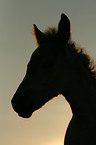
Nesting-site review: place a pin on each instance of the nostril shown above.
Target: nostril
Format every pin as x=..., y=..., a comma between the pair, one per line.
x=15, y=105
x=16, y=102
x=21, y=105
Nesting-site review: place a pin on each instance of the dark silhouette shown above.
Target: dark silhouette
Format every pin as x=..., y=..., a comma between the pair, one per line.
x=57, y=66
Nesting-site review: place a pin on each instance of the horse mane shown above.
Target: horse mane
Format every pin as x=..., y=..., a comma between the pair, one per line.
x=51, y=34
x=86, y=60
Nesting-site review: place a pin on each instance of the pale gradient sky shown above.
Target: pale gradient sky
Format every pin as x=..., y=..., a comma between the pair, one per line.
x=47, y=126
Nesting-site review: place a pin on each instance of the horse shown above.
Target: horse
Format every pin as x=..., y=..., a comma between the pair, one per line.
x=59, y=66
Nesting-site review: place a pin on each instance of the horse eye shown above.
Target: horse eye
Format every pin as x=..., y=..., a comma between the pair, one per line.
x=48, y=64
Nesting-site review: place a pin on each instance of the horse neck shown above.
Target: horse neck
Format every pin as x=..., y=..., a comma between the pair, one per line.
x=82, y=99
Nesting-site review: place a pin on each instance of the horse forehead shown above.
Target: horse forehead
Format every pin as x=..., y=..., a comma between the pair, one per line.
x=44, y=51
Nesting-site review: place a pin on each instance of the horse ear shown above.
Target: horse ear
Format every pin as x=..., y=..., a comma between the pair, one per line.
x=37, y=34
x=64, y=28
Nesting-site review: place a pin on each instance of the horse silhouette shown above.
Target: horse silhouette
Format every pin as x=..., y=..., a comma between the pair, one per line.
x=56, y=67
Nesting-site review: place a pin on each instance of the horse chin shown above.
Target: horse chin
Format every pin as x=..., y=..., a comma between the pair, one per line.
x=25, y=115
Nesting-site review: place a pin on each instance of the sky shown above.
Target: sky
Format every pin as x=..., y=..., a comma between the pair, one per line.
x=47, y=126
